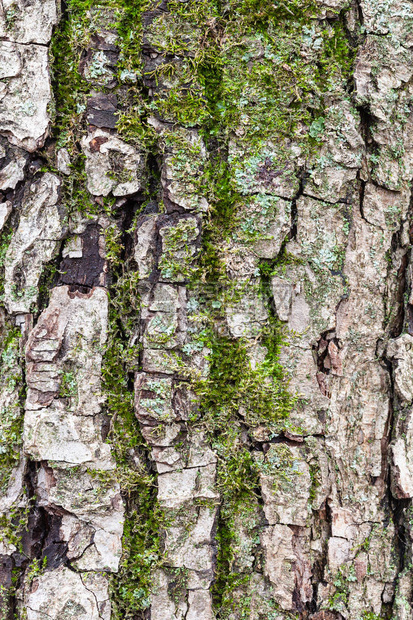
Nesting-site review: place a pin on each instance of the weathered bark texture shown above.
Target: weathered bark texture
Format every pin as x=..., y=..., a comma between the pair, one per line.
x=206, y=309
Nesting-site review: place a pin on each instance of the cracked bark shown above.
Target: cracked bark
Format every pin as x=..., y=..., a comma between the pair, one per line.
x=181, y=236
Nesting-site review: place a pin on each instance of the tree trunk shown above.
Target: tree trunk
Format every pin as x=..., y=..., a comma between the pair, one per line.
x=206, y=310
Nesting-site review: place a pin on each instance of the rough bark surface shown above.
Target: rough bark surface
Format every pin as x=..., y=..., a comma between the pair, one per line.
x=206, y=309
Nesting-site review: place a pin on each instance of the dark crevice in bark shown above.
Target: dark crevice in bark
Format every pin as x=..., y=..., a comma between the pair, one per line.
x=396, y=506
x=88, y=271
x=294, y=210
x=41, y=539
x=48, y=280
x=362, y=189
x=323, y=522
x=398, y=308
x=408, y=315
x=327, y=358
x=367, y=120
x=399, y=507
x=397, y=322
x=326, y=352
x=359, y=9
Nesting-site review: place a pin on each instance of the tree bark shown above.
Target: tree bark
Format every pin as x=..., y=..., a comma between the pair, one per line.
x=206, y=310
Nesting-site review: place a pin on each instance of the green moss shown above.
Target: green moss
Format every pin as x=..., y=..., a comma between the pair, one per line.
x=234, y=389
x=70, y=88
x=113, y=243
x=232, y=398
x=35, y=569
x=237, y=481
x=13, y=524
x=14, y=521
x=68, y=385
x=258, y=13
x=11, y=16
x=233, y=71
x=11, y=413
x=178, y=250
x=338, y=601
x=131, y=586
x=177, y=583
x=289, y=48
x=223, y=198
x=5, y=238
x=46, y=283
x=315, y=474
x=186, y=35
x=134, y=110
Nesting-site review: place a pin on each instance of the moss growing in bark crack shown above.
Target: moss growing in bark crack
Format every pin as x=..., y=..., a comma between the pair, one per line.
x=234, y=390
x=229, y=61
x=5, y=238
x=46, y=282
x=238, y=483
x=131, y=586
x=233, y=398
x=69, y=87
x=70, y=91
x=223, y=199
x=11, y=410
x=14, y=521
x=233, y=57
